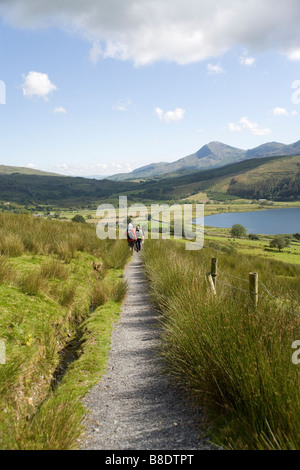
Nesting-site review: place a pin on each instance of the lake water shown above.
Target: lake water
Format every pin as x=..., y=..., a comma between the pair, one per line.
x=269, y=222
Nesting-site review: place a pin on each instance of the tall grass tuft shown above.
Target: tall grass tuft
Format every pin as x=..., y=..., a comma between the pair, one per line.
x=235, y=359
x=7, y=273
x=99, y=295
x=32, y=283
x=118, y=290
x=54, y=269
x=11, y=244
x=67, y=295
x=115, y=254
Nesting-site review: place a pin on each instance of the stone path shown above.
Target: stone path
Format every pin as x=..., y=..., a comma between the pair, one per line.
x=135, y=406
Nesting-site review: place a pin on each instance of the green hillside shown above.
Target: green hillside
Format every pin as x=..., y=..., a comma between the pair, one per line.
x=9, y=170
x=271, y=178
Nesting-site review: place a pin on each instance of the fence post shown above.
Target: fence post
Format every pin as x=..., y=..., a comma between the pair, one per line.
x=214, y=268
x=211, y=283
x=253, y=288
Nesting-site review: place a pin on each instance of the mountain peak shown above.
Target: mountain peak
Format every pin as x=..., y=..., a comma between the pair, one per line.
x=213, y=155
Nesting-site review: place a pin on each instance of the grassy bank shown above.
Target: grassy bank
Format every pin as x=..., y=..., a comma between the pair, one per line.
x=236, y=360
x=56, y=316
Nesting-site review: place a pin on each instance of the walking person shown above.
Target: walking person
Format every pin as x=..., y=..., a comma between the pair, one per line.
x=139, y=238
x=131, y=236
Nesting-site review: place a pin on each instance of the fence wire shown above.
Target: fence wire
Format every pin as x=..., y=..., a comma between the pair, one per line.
x=297, y=314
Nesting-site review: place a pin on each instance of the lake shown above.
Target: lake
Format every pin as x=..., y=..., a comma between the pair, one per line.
x=268, y=222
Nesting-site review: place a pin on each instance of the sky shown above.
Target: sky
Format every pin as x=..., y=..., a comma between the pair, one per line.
x=99, y=87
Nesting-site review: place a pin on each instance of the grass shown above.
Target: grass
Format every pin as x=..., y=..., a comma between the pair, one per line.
x=46, y=303
x=234, y=359
x=222, y=238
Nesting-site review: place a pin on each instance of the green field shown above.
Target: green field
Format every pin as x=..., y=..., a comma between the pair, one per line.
x=56, y=317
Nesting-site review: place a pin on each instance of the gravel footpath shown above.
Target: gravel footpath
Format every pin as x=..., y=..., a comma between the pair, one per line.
x=135, y=406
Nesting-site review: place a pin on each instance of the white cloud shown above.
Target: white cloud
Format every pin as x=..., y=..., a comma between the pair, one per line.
x=234, y=127
x=214, y=69
x=123, y=104
x=146, y=31
x=247, y=61
x=37, y=84
x=60, y=110
x=254, y=127
x=95, y=52
x=279, y=112
x=31, y=165
x=294, y=54
x=294, y=113
x=246, y=124
x=170, y=116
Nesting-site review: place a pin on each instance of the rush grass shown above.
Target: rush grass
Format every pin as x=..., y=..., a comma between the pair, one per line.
x=45, y=302
x=235, y=360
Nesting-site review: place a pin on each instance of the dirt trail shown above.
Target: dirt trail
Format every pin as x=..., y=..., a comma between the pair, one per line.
x=134, y=406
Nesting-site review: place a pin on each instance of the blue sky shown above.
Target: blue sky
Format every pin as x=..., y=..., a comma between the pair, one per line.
x=97, y=88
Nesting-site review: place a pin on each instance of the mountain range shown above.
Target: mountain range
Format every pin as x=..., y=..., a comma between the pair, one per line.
x=212, y=155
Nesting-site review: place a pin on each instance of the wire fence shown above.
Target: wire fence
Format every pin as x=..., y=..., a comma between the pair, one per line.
x=270, y=298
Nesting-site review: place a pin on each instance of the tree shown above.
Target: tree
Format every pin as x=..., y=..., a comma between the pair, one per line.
x=253, y=236
x=297, y=236
x=238, y=231
x=78, y=218
x=278, y=242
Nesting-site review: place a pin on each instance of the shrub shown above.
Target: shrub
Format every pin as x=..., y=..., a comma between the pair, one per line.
x=238, y=231
x=278, y=242
x=253, y=236
x=79, y=219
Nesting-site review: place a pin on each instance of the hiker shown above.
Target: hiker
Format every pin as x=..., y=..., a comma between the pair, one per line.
x=131, y=236
x=139, y=238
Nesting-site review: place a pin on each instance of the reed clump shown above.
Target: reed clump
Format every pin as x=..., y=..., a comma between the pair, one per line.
x=234, y=358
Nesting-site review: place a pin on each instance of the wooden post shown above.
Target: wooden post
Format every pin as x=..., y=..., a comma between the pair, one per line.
x=253, y=288
x=214, y=265
x=211, y=283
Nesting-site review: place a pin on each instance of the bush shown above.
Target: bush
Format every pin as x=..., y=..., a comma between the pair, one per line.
x=238, y=231
x=79, y=219
x=253, y=236
x=279, y=242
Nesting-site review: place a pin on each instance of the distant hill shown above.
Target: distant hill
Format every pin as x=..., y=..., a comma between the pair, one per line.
x=9, y=170
x=272, y=178
x=276, y=178
x=212, y=155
